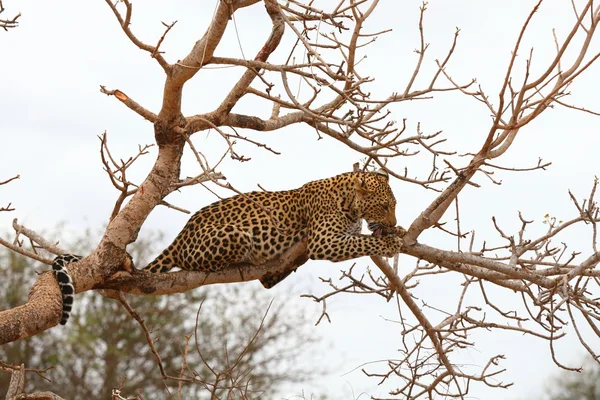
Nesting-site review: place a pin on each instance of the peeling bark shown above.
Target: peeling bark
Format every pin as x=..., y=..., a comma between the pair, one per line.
x=42, y=311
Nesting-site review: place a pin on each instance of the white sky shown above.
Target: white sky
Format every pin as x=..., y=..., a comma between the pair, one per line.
x=52, y=111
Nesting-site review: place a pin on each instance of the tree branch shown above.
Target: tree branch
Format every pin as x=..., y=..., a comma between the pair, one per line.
x=143, y=283
x=132, y=105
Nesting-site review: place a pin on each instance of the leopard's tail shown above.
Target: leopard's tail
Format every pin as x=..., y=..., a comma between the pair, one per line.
x=59, y=267
x=163, y=263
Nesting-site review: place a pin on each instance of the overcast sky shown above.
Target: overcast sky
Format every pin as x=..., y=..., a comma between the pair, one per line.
x=51, y=111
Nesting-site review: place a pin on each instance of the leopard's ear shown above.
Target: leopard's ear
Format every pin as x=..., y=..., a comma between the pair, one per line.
x=384, y=173
x=360, y=184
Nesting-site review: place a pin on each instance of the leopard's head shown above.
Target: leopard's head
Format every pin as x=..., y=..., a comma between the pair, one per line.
x=375, y=201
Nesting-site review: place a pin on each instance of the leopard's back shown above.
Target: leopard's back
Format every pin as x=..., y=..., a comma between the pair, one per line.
x=249, y=228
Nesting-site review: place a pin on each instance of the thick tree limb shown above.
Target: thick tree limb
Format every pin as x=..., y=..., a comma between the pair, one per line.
x=44, y=307
x=42, y=311
x=437, y=256
x=200, y=54
x=143, y=283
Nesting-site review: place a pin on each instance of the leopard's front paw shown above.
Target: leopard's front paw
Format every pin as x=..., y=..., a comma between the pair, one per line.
x=398, y=231
x=394, y=246
x=390, y=231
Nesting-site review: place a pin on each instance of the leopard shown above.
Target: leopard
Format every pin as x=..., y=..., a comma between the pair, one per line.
x=256, y=227
x=65, y=283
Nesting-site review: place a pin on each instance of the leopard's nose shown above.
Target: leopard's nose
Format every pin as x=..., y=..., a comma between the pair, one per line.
x=391, y=220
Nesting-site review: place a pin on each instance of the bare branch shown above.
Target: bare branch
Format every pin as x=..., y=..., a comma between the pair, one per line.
x=132, y=105
x=8, y=23
x=126, y=21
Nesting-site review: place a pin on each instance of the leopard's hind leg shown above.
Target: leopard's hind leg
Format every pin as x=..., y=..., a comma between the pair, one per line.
x=209, y=248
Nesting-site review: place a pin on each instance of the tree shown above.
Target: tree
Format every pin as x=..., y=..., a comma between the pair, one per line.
x=321, y=52
x=576, y=386
x=101, y=340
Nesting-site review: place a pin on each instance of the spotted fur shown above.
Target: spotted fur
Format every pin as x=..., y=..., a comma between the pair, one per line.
x=256, y=227
x=59, y=267
x=259, y=226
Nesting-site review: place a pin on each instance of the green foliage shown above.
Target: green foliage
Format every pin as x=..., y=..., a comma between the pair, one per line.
x=584, y=385
x=102, y=348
